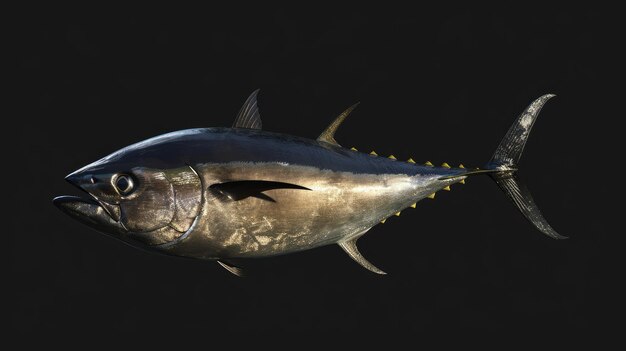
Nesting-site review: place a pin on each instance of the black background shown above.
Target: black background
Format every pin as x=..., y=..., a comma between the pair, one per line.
x=438, y=84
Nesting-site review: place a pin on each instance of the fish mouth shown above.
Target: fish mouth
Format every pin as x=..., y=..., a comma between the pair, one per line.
x=89, y=212
x=100, y=215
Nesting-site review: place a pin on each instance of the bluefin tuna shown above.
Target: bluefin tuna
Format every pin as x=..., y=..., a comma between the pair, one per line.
x=241, y=192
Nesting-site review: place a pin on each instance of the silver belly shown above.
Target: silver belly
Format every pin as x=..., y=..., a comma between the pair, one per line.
x=339, y=205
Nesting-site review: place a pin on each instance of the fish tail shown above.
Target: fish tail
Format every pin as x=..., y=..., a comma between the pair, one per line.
x=503, y=167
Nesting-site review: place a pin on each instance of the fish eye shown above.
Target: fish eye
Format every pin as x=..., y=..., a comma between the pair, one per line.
x=123, y=183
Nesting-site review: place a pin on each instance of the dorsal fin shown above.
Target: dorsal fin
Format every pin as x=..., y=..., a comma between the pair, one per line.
x=249, y=116
x=349, y=246
x=328, y=135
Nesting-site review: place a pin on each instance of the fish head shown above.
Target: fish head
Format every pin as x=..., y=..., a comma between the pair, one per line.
x=134, y=200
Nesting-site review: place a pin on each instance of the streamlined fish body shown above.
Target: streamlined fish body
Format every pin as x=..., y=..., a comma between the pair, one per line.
x=227, y=193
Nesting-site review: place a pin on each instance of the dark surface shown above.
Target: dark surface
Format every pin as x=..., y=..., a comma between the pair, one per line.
x=437, y=84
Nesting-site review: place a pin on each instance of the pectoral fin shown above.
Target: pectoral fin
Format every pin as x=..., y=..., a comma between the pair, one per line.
x=241, y=189
x=350, y=248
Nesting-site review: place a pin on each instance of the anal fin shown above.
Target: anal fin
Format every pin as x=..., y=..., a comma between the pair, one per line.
x=350, y=248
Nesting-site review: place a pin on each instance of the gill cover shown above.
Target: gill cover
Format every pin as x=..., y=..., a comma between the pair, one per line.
x=164, y=205
x=146, y=205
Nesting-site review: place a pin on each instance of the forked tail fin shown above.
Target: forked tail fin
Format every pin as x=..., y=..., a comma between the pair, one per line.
x=504, y=162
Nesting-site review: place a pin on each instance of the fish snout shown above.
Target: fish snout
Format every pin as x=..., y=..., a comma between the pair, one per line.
x=80, y=179
x=73, y=178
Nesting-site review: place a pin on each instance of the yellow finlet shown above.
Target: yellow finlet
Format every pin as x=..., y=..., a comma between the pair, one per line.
x=397, y=214
x=353, y=149
x=462, y=181
x=445, y=164
x=428, y=163
x=414, y=205
x=373, y=153
x=446, y=188
x=392, y=157
x=431, y=196
x=383, y=221
x=461, y=165
x=410, y=160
